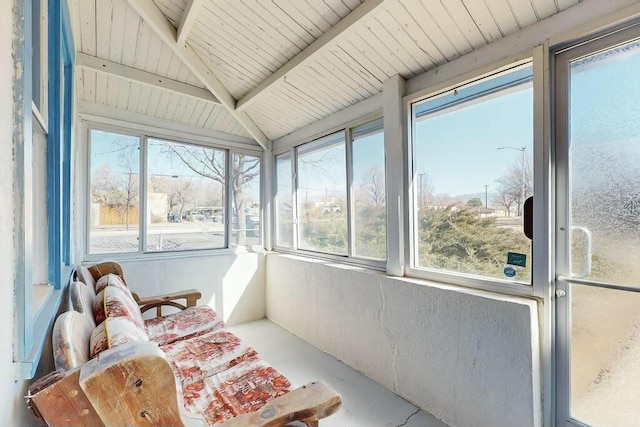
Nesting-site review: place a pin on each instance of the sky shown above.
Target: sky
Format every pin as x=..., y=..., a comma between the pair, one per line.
x=121, y=153
x=458, y=148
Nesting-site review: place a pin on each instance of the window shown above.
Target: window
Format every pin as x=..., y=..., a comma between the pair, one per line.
x=245, y=187
x=181, y=202
x=322, y=195
x=185, y=196
x=39, y=37
x=337, y=206
x=369, y=205
x=284, y=201
x=42, y=162
x=115, y=187
x=472, y=173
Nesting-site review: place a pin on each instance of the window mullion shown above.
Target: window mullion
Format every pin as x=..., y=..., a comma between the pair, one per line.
x=294, y=196
x=142, y=195
x=349, y=171
x=228, y=199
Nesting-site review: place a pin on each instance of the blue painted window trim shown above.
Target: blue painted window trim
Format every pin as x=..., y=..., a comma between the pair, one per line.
x=32, y=328
x=60, y=67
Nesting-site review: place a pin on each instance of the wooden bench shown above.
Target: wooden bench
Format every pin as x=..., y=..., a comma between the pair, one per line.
x=149, y=381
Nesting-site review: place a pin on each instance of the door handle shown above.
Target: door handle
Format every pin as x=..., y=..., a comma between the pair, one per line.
x=586, y=268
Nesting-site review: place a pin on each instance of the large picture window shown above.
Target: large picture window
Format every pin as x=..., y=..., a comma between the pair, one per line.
x=150, y=195
x=472, y=172
x=185, y=197
x=330, y=195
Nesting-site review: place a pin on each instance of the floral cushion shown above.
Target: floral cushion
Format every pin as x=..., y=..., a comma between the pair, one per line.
x=70, y=338
x=243, y=388
x=205, y=355
x=115, y=331
x=114, y=302
x=112, y=280
x=98, y=341
x=183, y=324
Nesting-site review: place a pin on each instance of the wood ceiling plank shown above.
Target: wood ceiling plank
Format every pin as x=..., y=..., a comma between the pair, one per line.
x=483, y=19
x=154, y=100
x=103, y=28
x=417, y=32
x=524, y=12
x=116, y=38
x=131, y=33
x=406, y=43
x=88, y=26
x=329, y=38
x=189, y=17
x=503, y=16
x=544, y=8
x=566, y=4
x=285, y=7
x=357, y=55
x=284, y=25
x=448, y=26
x=467, y=26
x=154, y=17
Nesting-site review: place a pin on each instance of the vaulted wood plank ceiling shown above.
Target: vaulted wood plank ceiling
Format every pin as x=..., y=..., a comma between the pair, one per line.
x=275, y=66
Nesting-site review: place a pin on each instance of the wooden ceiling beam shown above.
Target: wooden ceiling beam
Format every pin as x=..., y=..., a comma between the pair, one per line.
x=188, y=19
x=327, y=40
x=154, y=17
x=115, y=69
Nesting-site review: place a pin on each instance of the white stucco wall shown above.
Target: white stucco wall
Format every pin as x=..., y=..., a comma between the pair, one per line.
x=12, y=407
x=232, y=284
x=465, y=356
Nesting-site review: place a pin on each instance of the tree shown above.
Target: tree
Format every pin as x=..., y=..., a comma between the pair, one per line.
x=457, y=239
x=375, y=186
x=426, y=191
x=116, y=190
x=180, y=192
x=512, y=184
x=475, y=202
x=505, y=198
x=210, y=163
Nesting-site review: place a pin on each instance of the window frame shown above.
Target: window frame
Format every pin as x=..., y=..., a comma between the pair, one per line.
x=467, y=280
x=292, y=152
x=144, y=135
x=31, y=324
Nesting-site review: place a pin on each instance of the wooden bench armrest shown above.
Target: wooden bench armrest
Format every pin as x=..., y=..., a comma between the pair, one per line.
x=132, y=385
x=158, y=301
x=307, y=404
x=104, y=268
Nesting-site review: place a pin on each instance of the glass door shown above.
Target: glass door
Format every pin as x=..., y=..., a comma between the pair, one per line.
x=597, y=162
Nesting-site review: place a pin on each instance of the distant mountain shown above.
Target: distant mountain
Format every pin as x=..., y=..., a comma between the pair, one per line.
x=463, y=198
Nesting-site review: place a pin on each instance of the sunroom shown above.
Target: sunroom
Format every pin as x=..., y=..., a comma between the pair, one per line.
x=432, y=206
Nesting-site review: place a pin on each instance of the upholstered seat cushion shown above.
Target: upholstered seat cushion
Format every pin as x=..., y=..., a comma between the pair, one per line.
x=183, y=324
x=112, y=301
x=113, y=332
x=245, y=387
x=205, y=355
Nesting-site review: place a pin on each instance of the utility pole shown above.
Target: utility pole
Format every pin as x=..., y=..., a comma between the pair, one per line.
x=486, y=194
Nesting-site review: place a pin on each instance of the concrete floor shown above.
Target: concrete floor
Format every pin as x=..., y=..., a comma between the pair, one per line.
x=364, y=402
